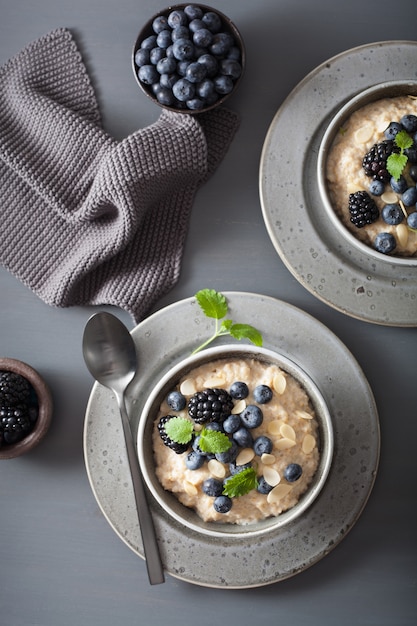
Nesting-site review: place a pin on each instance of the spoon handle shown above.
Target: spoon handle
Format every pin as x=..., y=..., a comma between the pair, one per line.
x=150, y=545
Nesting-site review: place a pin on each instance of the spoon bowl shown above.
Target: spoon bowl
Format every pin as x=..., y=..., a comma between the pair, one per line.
x=110, y=355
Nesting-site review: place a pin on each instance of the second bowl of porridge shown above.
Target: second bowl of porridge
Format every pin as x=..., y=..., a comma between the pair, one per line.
x=367, y=172
x=235, y=439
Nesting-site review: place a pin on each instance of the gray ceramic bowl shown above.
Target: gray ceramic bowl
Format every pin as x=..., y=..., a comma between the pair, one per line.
x=44, y=401
x=227, y=26
x=377, y=92
x=187, y=516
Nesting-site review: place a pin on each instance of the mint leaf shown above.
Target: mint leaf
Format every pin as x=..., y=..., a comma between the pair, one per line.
x=241, y=483
x=212, y=303
x=179, y=429
x=213, y=441
x=403, y=140
x=396, y=164
x=245, y=331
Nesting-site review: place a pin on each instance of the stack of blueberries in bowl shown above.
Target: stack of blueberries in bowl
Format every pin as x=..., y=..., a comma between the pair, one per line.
x=188, y=58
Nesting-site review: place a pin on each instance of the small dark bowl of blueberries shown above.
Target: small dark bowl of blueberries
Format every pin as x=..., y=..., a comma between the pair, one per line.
x=25, y=408
x=189, y=58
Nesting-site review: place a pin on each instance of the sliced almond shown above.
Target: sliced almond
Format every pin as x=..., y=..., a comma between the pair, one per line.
x=274, y=427
x=389, y=197
x=239, y=407
x=278, y=492
x=245, y=456
x=279, y=383
x=215, y=381
x=187, y=387
x=364, y=134
x=309, y=443
x=271, y=476
x=216, y=468
x=287, y=432
x=190, y=488
x=304, y=415
x=268, y=459
x=284, y=444
x=402, y=234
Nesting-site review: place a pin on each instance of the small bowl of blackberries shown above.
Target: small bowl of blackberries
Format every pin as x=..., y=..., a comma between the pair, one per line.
x=189, y=58
x=25, y=408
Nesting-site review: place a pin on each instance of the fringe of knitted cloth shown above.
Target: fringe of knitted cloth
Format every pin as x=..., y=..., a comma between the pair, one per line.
x=85, y=219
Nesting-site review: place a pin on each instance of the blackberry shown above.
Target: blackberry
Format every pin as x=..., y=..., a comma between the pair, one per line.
x=375, y=161
x=178, y=448
x=14, y=389
x=210, y=405
x=15, y=423
x=362, y=209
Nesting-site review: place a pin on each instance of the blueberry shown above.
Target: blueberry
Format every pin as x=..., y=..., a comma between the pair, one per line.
x=202, y=37
x=193, y=460
x=235, y=469
x=384, y=242
x=392, y=130
x=231, y=68
x=142, y=57
x=262, y=394
x=239, y=390
x=156, y=54
x=182, y=68
x=168, y=80
x=212, y=21
x=223, y=84
x=166, y=66
x=263, y=487
x=176, y=400
x=196, y=24
x=229, y=455
x=195, y=104
x=196, y=72
x=411, y=154
x=392, y=214
x=210, y=63
x=409, y=196
x=182, y=32
x=293, y=472
x=149, y=42
x=183, y=49
x=231, y=424
x=183, y=90
x=222, y=504
x=221, y=44
x=193, y=12
x=399, y=186
x=205, y=89
x=159, y=23
x=262, y=445
x=164, y=39
x=413, y=172
x=412, y=220
x=213, y=426
x=177, y=18
x=377, y=187
x=252, y=416
x=243, y=438
x=148, y=74
x=409, y=123
x=234, y=54
x=212, y=487
x=196, y=446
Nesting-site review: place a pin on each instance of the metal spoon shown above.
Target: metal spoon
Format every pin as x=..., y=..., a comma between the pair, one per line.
x=110, y=355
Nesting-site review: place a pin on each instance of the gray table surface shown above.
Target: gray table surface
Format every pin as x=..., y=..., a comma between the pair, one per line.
x=60, y=561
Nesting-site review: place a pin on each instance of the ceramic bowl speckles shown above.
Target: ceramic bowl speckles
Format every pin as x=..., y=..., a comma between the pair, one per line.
x=391, y=89
x=44, y=402
x=169, y=381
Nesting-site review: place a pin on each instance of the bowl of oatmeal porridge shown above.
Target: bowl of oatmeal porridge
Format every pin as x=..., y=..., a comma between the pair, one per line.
x=257, y=447
x=372, y=209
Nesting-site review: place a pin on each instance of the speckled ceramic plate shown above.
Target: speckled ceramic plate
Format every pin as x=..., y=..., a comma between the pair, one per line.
x=168, y=336
x=307, y=242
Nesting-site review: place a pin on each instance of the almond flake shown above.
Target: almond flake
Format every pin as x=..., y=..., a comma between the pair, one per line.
x=402, y=234
x=187, y=387
x=239, y=407
x=190, y=489
x=245, y=456
x=274, y=427
x=287, y=432
x=364, y=134
x=278, y=492
x=268, y=459
x=389, y=197
x=303, y=415
x=216, y=468
x=271, y=476
x=309, y=443
x=284, y=444
x=214, y=381
x=279, y=383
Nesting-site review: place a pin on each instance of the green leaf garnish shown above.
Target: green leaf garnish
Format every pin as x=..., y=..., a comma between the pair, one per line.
x=241, y=483
x=214, y=305
x=213, y=441
x=397, y=161
x=179, y=429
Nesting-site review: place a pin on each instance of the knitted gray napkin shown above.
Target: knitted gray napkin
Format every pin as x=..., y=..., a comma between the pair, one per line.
x=86, y=219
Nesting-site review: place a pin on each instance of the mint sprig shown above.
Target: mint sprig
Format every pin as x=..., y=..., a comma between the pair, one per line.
x=213, y=441
x=181, y=430
x=214, y=305
x=241, y=483
x=397, y=161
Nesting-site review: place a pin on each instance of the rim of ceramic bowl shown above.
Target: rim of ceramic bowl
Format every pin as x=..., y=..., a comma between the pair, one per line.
x=147, y=30
x=187, y=516
x=44, y=398
x=366, y=96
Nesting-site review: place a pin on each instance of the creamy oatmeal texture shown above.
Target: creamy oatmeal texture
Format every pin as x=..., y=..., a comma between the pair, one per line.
x=345, y=174
x=289, y=421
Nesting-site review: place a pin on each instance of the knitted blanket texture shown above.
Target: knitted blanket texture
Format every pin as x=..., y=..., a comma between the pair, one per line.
x=86, y=219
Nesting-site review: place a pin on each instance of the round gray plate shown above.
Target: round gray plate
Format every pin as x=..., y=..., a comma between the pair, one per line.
x=168, y=336
x=294, y=214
